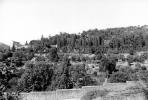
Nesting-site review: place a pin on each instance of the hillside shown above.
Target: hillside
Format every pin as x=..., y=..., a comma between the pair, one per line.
x=122, y=39
x=70, y=61
x=3, y=46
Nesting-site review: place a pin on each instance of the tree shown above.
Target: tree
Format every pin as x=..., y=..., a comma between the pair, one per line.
x=5, y=76
x=65, y=81
x=37, y=77
x=108, y=65
x=99, y=54
x=53, y=56
x=130, y=59
x=131, y=52
x=13, y=47
x=26, y=43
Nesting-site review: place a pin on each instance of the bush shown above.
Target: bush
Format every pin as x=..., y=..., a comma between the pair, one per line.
x=13, y=84
x=94, y=94
x=145, y=92
x=130, y=59
x=53, y=56
x=40, y=58
x=143, y=74
x=122, y=57
x=118, y=77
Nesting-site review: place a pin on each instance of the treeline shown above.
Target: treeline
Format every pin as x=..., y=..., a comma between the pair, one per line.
x=121, y=39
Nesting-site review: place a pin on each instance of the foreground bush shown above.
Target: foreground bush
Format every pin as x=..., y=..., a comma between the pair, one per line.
x=118, y=77
x=94, y=94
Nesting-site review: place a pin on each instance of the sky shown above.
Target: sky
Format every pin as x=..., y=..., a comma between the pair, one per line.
x=25, y=20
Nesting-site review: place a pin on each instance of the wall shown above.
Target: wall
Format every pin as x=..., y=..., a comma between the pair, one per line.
x=138, y=96
x=76, y=94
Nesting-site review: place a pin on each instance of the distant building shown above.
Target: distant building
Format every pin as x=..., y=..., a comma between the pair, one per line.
x=54, y=46
x=17, y=45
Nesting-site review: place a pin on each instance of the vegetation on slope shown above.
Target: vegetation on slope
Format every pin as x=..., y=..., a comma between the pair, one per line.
x=62, y=61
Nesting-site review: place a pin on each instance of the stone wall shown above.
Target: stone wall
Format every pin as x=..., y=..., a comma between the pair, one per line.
x=76, y=94
x=137, y=96
x=55, y=95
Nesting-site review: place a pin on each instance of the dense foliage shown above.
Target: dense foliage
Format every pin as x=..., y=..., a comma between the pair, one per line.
x=120, y=39
x=37, y=77
x=64, y=61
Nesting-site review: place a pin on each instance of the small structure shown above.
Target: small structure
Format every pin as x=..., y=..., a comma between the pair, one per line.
x=18, y=45
x=121, y=63
x=54, y=46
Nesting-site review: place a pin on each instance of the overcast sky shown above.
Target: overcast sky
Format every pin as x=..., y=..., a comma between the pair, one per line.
x=22, y=20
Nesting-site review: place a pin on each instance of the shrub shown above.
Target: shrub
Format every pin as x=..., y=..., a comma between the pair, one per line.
x=40, y=58
x=143, y=75
x=94, y=94
x=119, y=77
x=145, y=92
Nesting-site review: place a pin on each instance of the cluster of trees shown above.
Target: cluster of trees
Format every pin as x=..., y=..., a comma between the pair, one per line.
x=46, y=72
x=42, y=76
x=129, y=74
x=117, y=74
x=91, y=41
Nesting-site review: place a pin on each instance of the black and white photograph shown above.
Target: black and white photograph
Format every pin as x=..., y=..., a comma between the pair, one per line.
x=73, y=49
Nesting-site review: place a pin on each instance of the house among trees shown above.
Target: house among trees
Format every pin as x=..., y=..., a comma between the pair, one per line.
x=54, y=46
x=18, y=45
